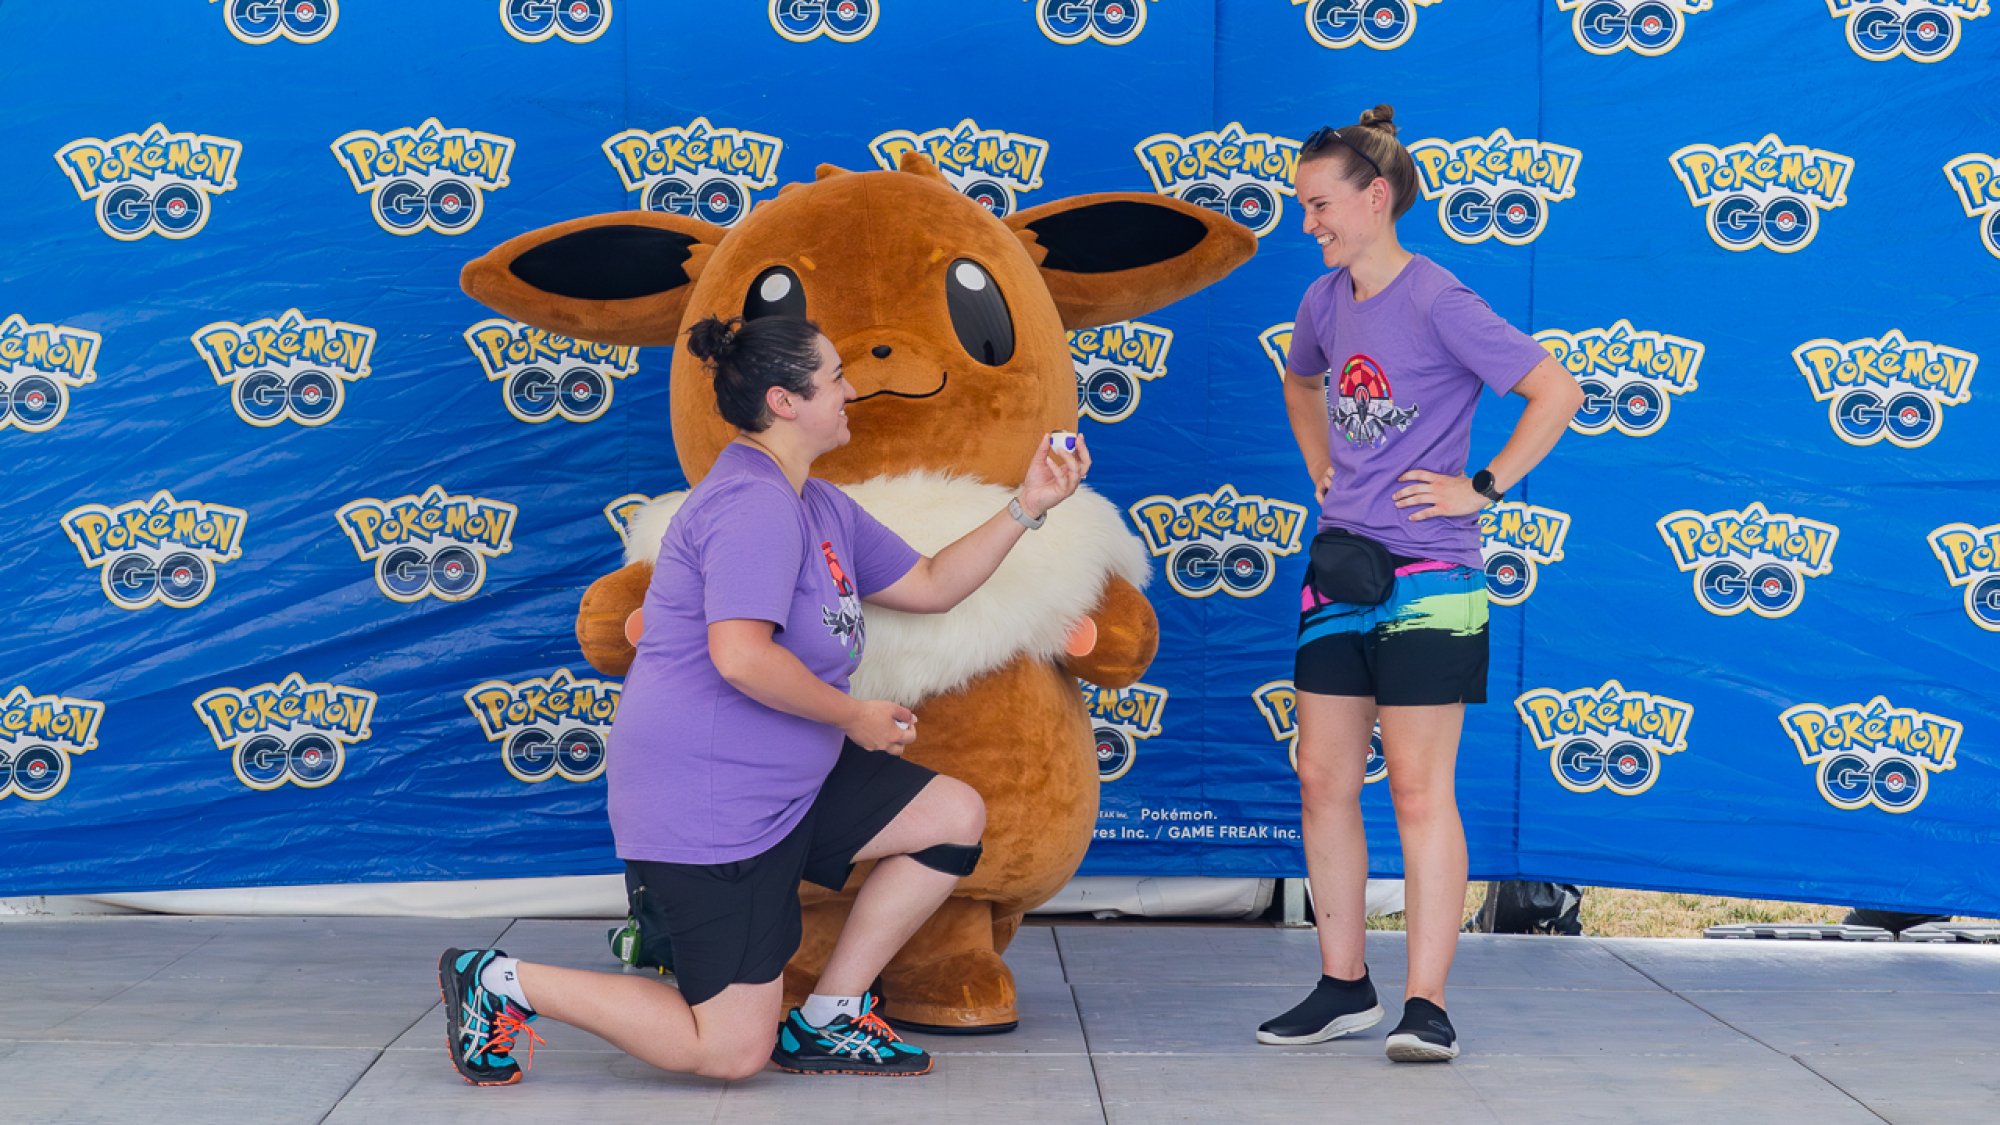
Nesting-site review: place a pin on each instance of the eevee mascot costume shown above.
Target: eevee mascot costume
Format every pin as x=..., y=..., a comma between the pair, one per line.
x=960, y=370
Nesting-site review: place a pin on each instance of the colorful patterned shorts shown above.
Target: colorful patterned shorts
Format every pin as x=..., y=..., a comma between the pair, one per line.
x=1426, y=645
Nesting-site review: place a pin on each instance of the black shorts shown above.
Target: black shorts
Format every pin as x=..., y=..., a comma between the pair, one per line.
x=1426, y=645
x=738, y=922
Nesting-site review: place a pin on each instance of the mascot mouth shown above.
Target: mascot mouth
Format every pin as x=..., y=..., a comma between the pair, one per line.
x=944, y=377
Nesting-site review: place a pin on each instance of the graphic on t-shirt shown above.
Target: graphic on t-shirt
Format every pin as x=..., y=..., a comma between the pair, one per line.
x=1364, y=412
x=845, y=623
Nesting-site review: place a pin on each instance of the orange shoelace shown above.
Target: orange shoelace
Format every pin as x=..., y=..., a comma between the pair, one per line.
x=875, y=1025
x=506, y=1027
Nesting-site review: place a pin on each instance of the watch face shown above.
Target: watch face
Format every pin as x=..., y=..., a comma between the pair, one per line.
x=1482, y=481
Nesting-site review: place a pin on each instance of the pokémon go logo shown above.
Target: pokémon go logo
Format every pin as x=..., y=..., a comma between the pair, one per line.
x=39, y=365
x=1278, y=702
x=1872, y=753
x=291, y=731
x=1112, y=363
x=1975, y=178
x=1766, y=193
x=160, y=550
x=696, y=169
x=1113, y=23
x=549, y=376
x=258, y=22
x=1752, y=559
x=1892, y=389
x=538, y=21
x=1119, y=719
x=1605, y=737
x=38, y=736
x=152, y=182
x=1645, y=27
x=1496, y=186
x=619, y=512
x=552, y=726
x=1226, y=541
x=1232, y=172
x=843, y=21
x=1629, y=377
x=433, y=544
x=1277, y=344
x=1924, y=30
x=427, y=177
x=1971, y=558
x=990, y=166
x=1381, y=24
x=286, y=368
x=1517, y=540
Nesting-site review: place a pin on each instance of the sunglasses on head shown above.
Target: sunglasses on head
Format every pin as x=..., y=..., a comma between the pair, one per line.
x=1321, y=136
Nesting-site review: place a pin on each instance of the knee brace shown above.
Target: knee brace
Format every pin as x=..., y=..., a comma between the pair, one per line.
x=952, y=859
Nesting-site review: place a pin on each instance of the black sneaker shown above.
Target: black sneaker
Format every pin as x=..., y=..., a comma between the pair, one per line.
x=1425, y=1035
x=848, y=1045
x=1335, y=1008
x=481, y=1026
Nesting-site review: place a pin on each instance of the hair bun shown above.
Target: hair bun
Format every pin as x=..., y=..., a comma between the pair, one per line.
x=1382, y=117
x=712, y=338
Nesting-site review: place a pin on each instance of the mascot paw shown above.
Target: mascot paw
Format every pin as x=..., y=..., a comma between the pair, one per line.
x=970, y=992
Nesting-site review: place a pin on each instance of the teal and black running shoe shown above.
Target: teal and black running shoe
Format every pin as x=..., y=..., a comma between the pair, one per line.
x=848, y=1045
x=480, y=1025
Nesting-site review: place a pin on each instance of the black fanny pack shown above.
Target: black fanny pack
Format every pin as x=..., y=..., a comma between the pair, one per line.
x=1349, y=568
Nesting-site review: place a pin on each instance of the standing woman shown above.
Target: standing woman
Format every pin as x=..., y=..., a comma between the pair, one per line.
x=739, y=763
x=1388, y=356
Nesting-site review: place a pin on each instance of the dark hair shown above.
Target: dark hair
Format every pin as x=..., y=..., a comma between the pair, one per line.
x=1366, y=151
x=748, y=358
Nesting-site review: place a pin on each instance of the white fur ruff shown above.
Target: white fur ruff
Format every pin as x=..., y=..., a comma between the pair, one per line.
x=1048, y=582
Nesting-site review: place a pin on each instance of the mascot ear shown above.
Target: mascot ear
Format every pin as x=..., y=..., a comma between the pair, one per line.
x=1115, y=256
x=622, y=278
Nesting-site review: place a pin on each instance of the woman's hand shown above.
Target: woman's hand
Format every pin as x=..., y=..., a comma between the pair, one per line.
x=1445, y=495
x=1320, y=486
x=1052, y=477
x=881, y=725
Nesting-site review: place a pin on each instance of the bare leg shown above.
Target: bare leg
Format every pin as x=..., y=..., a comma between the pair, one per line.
x=1333, y=757
x=1421, y=745
x=728, y=1036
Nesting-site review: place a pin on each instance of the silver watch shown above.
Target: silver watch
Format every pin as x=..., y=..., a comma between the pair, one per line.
x=1020, y=515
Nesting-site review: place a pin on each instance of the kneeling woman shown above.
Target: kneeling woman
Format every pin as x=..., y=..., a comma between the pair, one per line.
x=739, y=763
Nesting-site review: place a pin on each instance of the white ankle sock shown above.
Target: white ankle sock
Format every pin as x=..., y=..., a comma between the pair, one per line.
x=822, y=1010
x=500, y=975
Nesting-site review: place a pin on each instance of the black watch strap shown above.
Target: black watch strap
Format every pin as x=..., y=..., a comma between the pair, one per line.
x=1482, y=483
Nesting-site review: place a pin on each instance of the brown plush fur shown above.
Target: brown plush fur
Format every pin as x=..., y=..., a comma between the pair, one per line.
x=871, y=250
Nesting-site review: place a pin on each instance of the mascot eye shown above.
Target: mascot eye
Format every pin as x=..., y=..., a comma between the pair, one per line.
x=776, y=292
x=979, y=313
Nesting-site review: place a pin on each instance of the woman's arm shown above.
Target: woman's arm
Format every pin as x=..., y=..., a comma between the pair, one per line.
x=1553, y=398
x=755, y=664
x=1305, y=405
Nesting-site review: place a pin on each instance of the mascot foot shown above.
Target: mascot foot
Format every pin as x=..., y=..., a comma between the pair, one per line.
x=970, y=992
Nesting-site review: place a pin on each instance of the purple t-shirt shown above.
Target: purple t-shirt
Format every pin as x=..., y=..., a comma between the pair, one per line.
x=1407, y=365
x=698, y=771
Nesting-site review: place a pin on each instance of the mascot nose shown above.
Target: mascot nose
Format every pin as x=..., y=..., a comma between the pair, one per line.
x=880, y=351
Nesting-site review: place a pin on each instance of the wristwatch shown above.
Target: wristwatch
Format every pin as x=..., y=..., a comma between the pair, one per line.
x=1020, y=515
x=1482, y=483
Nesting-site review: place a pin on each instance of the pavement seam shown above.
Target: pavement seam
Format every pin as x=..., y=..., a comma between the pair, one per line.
x=1083, y=1029
x=142, y=980
x=1814, y=1071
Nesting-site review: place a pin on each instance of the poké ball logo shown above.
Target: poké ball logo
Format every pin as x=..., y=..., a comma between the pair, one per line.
x=697, y=169
x=1120, y=718
x=426, y=177
x=551, y=726
x=1113, y=23
x=286, y=368
x=1629, y=377
x=1645, y=27
x=258, y=22
x=843, y=21
x=1924, y=30
x=1226, y=541
x=1872, y=753
x=1495, y=186
x=160, y=550
x=990, y=166
x=549, y=376
x=1892, y=389
x=538, y=21
x=1975, y=178
x=38, y=736
x=1232, y=172
x=1605, y=737
x=39, y=365
x=1517, y=540
x=435, y=544
x=1381, y=24
x=152, y=182
x=619, y=512
x=1753, y=559
x=1278, y=702
x=1767, y=193
x=1112, y=363
x=290, y=731
x=1971, y=558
